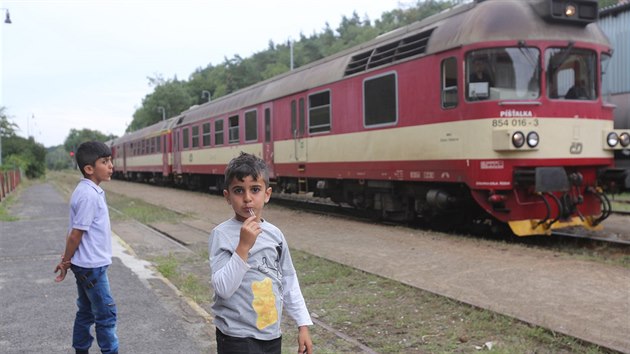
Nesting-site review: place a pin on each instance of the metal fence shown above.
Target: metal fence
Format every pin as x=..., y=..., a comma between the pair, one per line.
x=9, y=180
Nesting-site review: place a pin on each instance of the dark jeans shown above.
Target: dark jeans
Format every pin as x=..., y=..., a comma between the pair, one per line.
x=96, y=306
x=234, y=345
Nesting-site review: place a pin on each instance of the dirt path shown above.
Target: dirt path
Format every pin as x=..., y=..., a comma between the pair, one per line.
x=583, y=299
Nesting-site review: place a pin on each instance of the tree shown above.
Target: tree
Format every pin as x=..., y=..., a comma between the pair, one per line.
x=172, y=95
x=57, y=158
x=76, y=137
x=25, y=154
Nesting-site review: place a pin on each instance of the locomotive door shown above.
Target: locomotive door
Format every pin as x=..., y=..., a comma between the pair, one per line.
x=268, y=140
x=177, y=157
x=298, y=123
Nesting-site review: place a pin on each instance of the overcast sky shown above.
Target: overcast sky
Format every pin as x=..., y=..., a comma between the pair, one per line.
x=84, y=63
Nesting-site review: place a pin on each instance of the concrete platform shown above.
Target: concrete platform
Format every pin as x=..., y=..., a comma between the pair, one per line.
x=37, y=314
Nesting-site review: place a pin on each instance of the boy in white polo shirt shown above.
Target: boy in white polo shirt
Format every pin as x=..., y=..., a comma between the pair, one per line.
x=88, y=251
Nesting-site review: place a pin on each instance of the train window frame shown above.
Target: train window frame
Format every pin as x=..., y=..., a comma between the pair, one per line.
x=195, y=136
x=185, y=139
x=321, y=112
x=251, y=132
x=563, y=77
x=206, y=135
x=449, y=80
x=376, y=100
x=219, y=134
x=233, y=129
x=512, y=72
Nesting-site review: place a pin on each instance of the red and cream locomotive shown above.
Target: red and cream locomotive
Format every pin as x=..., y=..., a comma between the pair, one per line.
x=490, y=111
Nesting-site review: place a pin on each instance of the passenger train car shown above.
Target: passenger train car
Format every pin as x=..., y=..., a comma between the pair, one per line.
x=489, y=112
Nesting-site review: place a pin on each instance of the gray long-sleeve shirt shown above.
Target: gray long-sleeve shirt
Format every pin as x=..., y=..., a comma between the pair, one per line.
x=250, y=296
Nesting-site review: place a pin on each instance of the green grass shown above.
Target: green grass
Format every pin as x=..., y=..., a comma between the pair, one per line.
x=620, y=202
x=5, y=215
x=391, y=317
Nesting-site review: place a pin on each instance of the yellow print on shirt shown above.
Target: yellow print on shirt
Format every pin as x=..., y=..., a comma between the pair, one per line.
x=264, y=303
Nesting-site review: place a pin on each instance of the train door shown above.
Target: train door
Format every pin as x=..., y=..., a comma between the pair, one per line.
x=177, y=157
x=164, y=149
x=268, y=139
x=298, y=123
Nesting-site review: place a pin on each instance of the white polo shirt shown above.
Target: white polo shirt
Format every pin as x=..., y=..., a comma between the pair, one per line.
x=88, y=212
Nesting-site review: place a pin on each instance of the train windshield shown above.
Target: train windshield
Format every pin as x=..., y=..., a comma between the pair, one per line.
x=571, y=73
x=511, y=73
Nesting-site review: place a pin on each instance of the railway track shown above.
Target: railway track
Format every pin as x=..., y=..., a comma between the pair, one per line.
x=615, y=234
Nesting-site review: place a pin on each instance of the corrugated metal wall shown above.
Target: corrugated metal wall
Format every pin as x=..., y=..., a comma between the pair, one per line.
x=615, y=22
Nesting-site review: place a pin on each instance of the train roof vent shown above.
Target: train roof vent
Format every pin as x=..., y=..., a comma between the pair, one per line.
x=389, y=53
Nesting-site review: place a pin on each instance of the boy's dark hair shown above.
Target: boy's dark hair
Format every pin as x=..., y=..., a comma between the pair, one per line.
x=89, y=152
x=246, y=165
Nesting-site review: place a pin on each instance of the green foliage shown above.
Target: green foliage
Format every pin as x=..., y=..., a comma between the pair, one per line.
x=236, y=73
x=172, y=95
x=76, y=137
x=606, y=3
x=25, y=154
x=7, y=128
x=57, y=158
x=19, y=152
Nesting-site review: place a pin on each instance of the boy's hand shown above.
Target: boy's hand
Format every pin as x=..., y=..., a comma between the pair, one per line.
x=249, y=232
x=63, y=266
x=60, y=267
x=305, y=344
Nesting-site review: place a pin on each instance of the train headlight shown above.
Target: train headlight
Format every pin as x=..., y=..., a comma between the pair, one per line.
x=532, y=139
x=518, y=139
x=570, y=10
x=612, y=139
x=624, y=139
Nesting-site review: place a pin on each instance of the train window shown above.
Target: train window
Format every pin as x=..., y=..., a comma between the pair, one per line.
x=218, y=132
x=319, y=112
x=185, y=137
x=449, y=83
x=571, y=73
x=158, y=143
x=195, y=136
x=607, y=81
x=511, y=73
x=251, y=126
x=380, y=101
x=233, y=129
x=206, y=134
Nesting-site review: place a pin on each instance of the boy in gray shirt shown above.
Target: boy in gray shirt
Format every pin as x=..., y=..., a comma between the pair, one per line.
x=252, y=271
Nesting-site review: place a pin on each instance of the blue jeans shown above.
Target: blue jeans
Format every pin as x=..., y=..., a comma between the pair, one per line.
x=96, y=306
